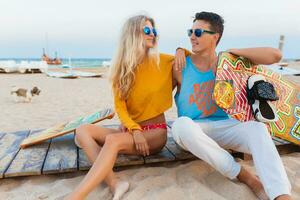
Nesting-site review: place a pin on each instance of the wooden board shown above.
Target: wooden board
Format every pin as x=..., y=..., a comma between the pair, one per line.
x=28, y=161
x=163, y=156
x=128, y=160
x=67, y=127
x=61, y=156
x=9, y=147
x=178, y=152
x=122, y=160
x=83, y=161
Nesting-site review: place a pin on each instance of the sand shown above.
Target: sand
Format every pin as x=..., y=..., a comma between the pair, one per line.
x=62, y=100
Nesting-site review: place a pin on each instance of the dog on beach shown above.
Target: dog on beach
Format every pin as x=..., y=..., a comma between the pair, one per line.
x=24, y=95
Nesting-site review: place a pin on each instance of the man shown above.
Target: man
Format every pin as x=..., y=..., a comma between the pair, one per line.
x=204, y=129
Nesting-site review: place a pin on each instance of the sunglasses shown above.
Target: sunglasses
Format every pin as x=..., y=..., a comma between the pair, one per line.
x=147, y=30
x=198, y=32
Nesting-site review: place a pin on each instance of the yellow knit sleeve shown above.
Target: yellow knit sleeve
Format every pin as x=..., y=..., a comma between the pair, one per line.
x=121, y=110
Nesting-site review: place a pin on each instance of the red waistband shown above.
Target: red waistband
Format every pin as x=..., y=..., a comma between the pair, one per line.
x=154, y=126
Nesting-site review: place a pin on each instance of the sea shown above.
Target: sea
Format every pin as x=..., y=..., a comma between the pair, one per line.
x=74, y=62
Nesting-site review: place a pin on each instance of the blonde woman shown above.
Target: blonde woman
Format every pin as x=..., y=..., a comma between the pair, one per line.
x=142, y=84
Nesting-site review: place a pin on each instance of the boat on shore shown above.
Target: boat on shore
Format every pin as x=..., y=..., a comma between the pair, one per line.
x=51, y=61
x=25, y=66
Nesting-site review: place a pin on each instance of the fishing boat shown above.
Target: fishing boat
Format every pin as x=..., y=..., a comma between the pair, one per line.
x=51, y=61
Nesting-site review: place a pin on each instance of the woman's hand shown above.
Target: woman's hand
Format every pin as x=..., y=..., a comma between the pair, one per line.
x=141, y=144
x=179, y=61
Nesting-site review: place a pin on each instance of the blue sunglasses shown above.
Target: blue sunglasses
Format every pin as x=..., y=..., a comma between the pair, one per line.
x=198, y=32
x=147, y=30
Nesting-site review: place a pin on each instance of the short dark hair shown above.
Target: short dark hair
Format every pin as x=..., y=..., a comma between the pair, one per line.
x=216, y=22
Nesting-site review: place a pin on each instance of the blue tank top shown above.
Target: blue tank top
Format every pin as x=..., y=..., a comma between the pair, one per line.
x=195, y=97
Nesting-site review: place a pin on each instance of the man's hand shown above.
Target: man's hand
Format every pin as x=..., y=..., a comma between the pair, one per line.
x=141, y=144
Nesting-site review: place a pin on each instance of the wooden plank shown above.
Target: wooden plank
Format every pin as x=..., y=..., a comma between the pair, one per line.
x=122, y=160
x=163, y=156
x=61, y=156
x=9, y=147
x=29, y=161
x=128, y=160
x=83, y=162
x=177, y=151
x=287, y=148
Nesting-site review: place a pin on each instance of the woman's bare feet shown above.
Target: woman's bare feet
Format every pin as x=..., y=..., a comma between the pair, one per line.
x=73, y=196
x=253, y=183
x=119, y=189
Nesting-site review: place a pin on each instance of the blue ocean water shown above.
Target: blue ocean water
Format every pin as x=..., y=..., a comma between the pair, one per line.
x=74, y=62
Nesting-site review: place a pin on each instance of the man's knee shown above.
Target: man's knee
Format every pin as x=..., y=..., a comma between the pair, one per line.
x=257, y=131
x=184, y=128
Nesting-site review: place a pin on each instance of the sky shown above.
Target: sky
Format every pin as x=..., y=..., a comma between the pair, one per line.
x=91, y=28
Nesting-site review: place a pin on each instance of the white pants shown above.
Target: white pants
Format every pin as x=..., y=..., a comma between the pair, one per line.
x=204, y=139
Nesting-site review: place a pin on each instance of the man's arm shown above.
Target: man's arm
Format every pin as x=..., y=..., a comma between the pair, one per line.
x=259, y=55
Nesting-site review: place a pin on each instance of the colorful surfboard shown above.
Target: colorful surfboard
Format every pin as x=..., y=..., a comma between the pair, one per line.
x=64, y=128
x=230, y=94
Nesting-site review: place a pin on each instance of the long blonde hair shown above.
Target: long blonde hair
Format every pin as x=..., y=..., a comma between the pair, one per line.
x=130, y=53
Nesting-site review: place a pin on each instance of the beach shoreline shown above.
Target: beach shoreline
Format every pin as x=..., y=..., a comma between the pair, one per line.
x=65, y=99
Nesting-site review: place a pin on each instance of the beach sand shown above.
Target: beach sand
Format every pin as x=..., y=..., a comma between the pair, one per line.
x=62, y=100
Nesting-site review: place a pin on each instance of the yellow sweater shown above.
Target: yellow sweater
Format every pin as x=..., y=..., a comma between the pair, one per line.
x=151, y=93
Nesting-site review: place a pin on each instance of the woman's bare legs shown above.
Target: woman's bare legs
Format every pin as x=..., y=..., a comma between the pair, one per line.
x=103, y=164
x=91, y=139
